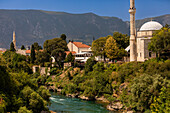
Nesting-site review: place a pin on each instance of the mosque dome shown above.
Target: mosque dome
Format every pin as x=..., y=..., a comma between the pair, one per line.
x=150, y=26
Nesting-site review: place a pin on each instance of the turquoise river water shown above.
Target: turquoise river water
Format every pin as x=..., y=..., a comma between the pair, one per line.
x=63, y=104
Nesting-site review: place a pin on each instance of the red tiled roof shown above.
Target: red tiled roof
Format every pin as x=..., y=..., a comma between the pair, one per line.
x=80, y=45
x=28, y=51
x=67, y=52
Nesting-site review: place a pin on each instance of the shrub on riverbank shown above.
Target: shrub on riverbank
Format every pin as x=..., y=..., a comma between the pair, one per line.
x=134, y=84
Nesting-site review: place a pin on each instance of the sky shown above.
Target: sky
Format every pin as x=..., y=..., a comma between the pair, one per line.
x=111, y=8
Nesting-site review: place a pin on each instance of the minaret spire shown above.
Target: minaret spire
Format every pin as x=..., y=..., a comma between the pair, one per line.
x=14, y=40
x=133, y=48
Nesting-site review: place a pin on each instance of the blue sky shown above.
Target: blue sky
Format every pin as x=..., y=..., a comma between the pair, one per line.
x=116, y=8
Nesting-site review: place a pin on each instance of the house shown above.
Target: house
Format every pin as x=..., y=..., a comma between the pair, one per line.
x=81, y=51
x=78, y=47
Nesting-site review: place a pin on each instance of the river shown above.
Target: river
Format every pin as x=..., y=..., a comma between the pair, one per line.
x=63, y=104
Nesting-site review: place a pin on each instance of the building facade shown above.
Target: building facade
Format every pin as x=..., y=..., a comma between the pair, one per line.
x=144, y=36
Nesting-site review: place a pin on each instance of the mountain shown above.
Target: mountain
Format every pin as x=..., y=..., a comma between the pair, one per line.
x=37, y=26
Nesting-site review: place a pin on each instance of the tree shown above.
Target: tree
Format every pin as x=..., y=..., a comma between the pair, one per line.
x=112, y=50
x=89, y=64
x=122, y=40
x=160, y=42
x=55, y=43
x=43, y=92
x=69, y=58
x=32, y=54
x=56, y=47
x=36, y=46
x=24, y=110
x=33, y=100
x=22, y=47
x=98, y=47
x=42, y=57
x=63, y=37
x=144, y=88
x=59, y=55
x=12, y=47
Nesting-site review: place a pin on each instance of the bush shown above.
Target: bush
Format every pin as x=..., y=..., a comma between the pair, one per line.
x=161, y=103
x=143, y=90
x=24, y=110
x=89, y=64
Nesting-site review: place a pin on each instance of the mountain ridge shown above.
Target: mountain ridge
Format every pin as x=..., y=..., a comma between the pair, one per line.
x=39, y=25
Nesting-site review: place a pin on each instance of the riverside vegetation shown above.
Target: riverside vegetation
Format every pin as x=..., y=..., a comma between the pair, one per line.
x=135, y=86
x=20, y=90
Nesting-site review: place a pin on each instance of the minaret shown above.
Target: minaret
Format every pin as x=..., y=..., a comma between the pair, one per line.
x=14, y=40
x=133, y=47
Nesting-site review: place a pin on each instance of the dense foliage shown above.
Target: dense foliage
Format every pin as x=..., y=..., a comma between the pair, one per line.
x=56, y=47
x=160, y=42
x=19, y=91
x=133, y=84
x=112, y=47
x=69, y=58
x=37, y=46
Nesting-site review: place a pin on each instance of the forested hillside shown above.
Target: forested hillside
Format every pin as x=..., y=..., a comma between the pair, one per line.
x=37, y=26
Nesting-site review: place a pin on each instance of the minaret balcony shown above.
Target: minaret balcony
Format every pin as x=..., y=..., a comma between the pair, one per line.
x=132, y=10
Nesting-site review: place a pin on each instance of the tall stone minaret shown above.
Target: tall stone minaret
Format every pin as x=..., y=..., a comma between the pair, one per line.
x=14, y=40
x=133, y=47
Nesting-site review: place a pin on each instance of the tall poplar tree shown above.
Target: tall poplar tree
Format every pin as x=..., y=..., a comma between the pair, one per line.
x=32, y=54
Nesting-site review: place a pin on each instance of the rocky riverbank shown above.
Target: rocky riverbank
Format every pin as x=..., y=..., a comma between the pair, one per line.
x=112, y=106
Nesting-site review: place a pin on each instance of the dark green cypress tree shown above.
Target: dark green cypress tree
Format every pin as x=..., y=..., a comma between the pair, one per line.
x=22, y=47
x=32, y=54
x=63, y=37
x=12, y=47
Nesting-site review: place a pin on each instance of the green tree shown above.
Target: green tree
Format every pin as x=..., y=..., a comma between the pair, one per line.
x=32, y=54
x=143, y=90
x=98, y=47
x=22, y=47
x=55, y=43
x=63, y=37
x=160, y=42
x=12, y=47
x=44, y=93
x=89, y=64
x=112, y=50
x=36, y=46
x=33, y=100
x=42, y=57
x=122, y=40
x=69, y=58
x=59, y=55
x=56, y=47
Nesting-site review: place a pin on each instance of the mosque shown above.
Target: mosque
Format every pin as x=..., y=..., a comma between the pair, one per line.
x=139, y=41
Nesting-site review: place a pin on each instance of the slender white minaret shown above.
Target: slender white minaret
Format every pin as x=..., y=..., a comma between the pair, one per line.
x=14, y=40
x=133, y=47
